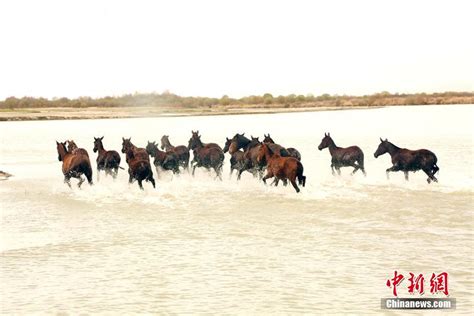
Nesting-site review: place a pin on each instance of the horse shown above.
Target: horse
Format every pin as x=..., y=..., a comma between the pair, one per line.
x=237, y=160
x=343, y=157
x=249, y=161
x=195, y=136
x=409, y=160
x=137, y=152
x=74, y=165
x=166, y=160
x=284, y=152
x=139, y=168
x=181, y=151
x=107, y=160
x=282, y=168
x=73, y=149
x=207, y=157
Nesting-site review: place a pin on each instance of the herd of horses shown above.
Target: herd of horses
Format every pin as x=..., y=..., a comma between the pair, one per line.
x=246, y=155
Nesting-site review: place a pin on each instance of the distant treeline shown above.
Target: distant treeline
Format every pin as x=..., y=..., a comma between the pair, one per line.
x=170, y=100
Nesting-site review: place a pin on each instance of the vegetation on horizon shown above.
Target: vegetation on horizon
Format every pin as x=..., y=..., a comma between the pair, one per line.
x=169, y=100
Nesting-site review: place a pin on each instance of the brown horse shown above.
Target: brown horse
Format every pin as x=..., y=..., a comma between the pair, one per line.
x=107, y=160
x=138, y=168
x=282, y=168
x=195, y=135
x=250, y=147
x=73, y=149
x=284, y=152
x=74, y=165
x=167, y=160
x=181, y=151
x=137, y=152
x=237, y=160
x=207, y=157
x=343, y=157
x=409, y=160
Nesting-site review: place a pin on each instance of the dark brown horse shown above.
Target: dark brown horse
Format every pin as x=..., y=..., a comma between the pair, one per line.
x=409, y=160
x=250, y=147
x=107, y=160
x=282, y=168
x=343, y=157
x=73, y=149
x=74, y=165
x=237, y=161
x=284, y=152
x=181, y=151
x=139, y=168
x=207, y=157
x=167, y=160
x=195, y=135
x=137, y=152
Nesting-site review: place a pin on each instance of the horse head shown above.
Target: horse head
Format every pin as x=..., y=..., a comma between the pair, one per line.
x=126, y=144
x=326, y=141
x=263, y=152
x=61, y=148
x=98, y=143
x=165, y=141
x=71, y=145
x=268, y=139
x=228, y=141
x=382, y=149
x=194, y=141
x=151, y=148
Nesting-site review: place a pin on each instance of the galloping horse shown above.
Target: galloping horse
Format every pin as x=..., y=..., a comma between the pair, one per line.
x=137, y=152
x=107, y=160
x=343, y=157
x=166, y=160
x=139, y=168
x=282, y=168
x=409, y=160
x=250, y=147
x=206, y=156
x=181, y=151
x=284, y=152
x=236, y=159
x=74, y=165
x=73, y=149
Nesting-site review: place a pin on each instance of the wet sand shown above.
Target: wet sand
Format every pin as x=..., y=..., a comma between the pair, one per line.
x=63, y=113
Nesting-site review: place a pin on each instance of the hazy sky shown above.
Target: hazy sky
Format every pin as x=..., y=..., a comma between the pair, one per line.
x=212, y=48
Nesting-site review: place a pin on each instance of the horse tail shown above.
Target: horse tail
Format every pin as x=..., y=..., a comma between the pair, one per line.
x=360, y=159
x=299, y=174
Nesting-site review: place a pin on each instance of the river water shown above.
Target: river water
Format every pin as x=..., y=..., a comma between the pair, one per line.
x=199, y=245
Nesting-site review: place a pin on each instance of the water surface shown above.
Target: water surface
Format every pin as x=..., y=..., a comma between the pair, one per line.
x=197, y=245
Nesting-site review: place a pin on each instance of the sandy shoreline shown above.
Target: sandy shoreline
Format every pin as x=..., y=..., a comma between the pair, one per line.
x=35, y=114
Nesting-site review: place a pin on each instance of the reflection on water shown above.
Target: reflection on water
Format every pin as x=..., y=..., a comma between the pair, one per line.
x=197, y=245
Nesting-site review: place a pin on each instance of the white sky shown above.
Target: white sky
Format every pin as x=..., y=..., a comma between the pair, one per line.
x=212, y=48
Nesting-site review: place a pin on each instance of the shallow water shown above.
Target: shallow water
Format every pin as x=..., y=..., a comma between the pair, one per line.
x=197, y=245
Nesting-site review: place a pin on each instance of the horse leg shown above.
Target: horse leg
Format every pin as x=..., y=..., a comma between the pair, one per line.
x=150, y=178
x=114, y=175
x=194, y=168
x=98, y=174
x=293, y=183
x=356, y=167
x=332, y=169
x=81, y=180
x=338, y=169
x=391, y=169
x=275, y=181
x=67, y=180
x=430, y=174
x=267, y=176
x=406, y=175
x=140, y=184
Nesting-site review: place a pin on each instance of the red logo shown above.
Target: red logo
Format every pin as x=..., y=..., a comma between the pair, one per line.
x=438, y=283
